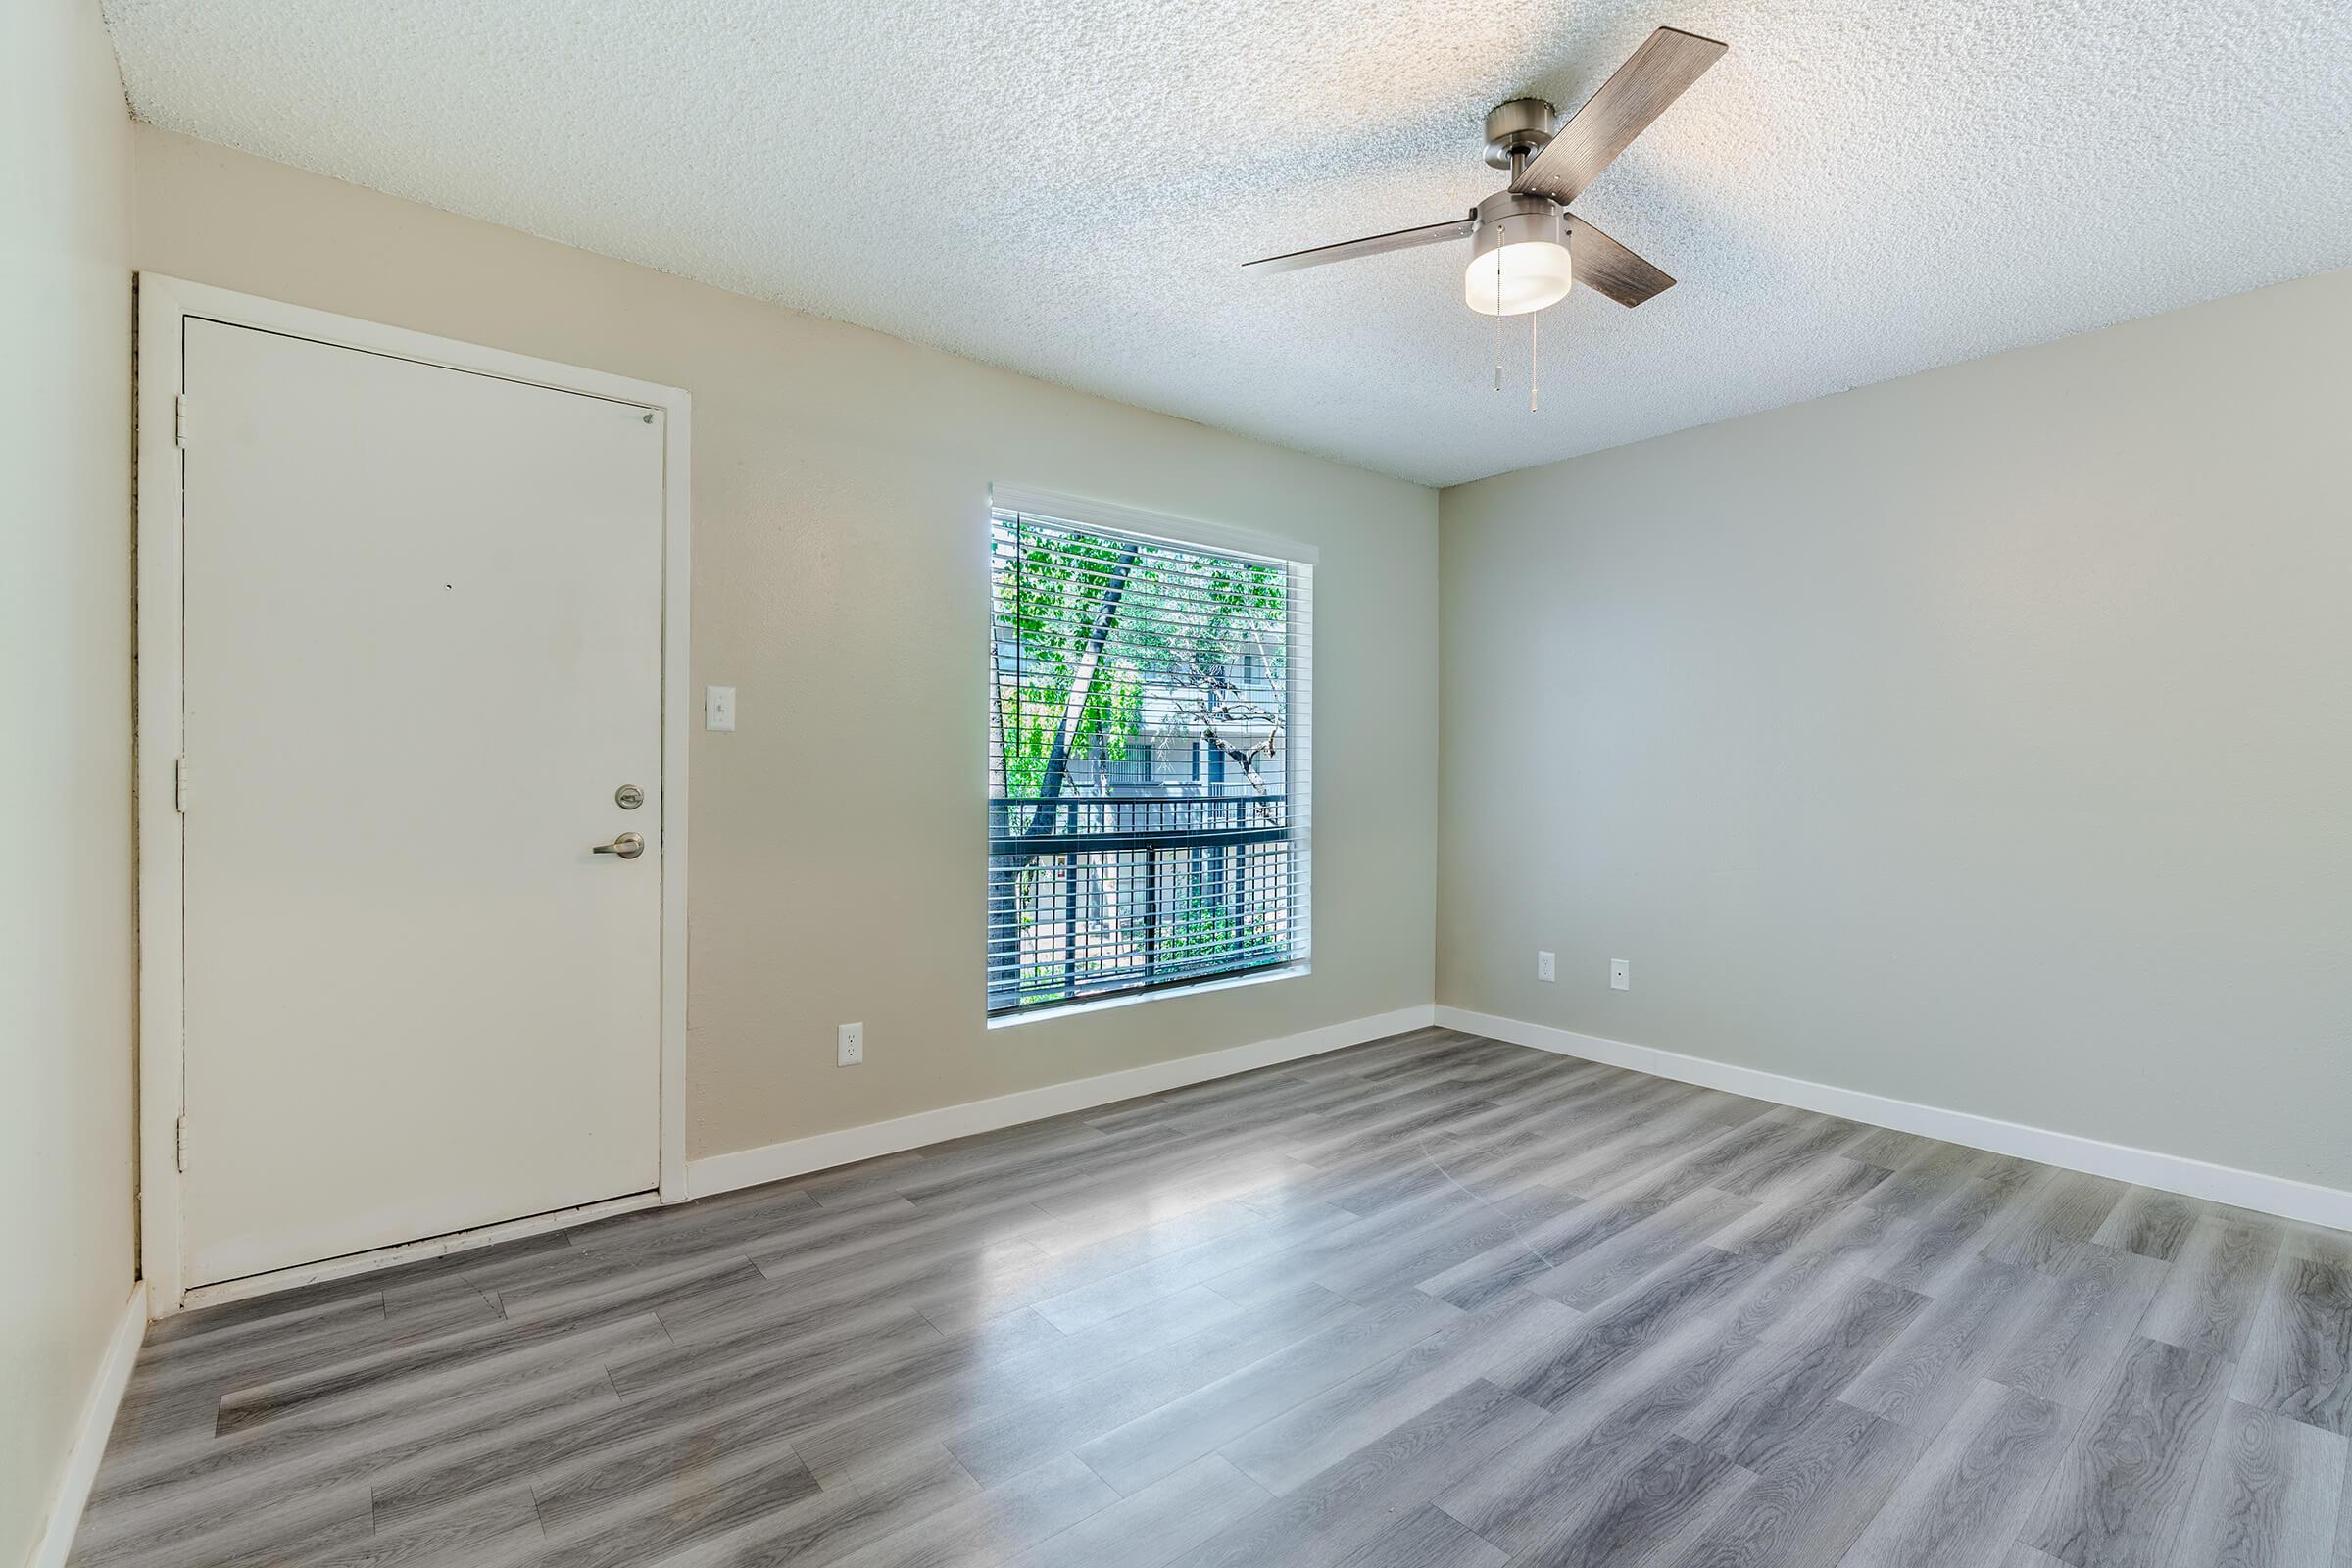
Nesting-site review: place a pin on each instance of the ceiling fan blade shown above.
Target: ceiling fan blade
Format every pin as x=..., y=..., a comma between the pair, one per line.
x=1349, y=250
x=1608, y=268
x=1652, y=77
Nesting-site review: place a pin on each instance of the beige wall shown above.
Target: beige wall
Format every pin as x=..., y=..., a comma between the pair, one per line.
x=66, y=912
x=1983, y=739
x=840, y=585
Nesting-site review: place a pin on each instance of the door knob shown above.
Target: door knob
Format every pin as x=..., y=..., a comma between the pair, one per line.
x=628, y=845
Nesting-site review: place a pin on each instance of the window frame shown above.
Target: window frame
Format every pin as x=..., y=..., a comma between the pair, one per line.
x=1299, y=560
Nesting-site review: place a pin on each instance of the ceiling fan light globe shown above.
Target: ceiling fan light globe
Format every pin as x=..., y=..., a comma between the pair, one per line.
x=1518, y=256
x=1516, y=278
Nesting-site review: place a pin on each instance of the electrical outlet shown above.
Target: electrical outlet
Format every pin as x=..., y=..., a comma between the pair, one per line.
x=1621, y=975
x=1547, y=966
x=850, y=1050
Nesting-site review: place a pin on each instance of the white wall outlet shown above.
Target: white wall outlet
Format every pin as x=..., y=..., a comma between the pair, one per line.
x=1547, y=966
x=719, y=708
x=1621, y=975
x=850, y=1050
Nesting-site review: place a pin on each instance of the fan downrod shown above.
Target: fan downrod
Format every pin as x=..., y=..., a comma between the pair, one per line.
x=1521, y=127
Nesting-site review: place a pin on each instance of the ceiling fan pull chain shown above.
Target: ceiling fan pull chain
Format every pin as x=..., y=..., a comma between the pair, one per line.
x=1498, y=329
x=1531, y=359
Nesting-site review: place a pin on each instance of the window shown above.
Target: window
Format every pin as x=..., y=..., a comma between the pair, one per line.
x=1148, y=757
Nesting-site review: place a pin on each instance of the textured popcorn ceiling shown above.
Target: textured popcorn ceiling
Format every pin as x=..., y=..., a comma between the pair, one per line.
x=1067, y=187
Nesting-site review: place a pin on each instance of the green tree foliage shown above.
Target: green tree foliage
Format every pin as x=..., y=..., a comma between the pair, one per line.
x=1095, y=622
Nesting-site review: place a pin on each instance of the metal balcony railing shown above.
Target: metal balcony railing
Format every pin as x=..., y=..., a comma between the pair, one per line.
x=1097, y=895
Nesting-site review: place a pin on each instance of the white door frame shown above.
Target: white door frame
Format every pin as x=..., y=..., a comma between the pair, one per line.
x=164, y=303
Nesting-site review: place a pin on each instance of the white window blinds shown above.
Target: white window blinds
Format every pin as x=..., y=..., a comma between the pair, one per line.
x=1148, y=762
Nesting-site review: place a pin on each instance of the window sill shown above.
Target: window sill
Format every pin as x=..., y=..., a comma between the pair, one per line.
x=1068, y=1009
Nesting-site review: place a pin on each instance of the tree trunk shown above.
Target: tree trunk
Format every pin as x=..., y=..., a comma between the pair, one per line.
x=1082, y=691
x=1004, y=871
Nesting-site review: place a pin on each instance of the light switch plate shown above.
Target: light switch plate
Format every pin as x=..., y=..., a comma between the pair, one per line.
x=719, y=708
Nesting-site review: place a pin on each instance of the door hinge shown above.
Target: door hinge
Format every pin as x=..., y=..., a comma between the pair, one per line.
x=179, y=420
x=180, y=785
x=179, y=1144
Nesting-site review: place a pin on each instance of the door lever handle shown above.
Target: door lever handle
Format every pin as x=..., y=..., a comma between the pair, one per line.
x=628, y=845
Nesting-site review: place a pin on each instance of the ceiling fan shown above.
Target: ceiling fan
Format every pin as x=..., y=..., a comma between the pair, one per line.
x=1522, y=239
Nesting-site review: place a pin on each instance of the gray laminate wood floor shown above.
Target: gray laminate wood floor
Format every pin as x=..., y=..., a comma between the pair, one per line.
x=1435, y=1300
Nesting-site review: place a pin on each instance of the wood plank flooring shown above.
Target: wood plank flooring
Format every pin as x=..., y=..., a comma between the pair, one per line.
x=1431, y=1303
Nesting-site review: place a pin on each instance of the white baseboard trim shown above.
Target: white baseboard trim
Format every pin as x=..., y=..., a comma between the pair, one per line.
x=772, y=1162
x=91, y=1432
x=2143, y=1167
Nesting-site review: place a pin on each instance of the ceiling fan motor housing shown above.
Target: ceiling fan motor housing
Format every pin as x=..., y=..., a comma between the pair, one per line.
x=1524, y=126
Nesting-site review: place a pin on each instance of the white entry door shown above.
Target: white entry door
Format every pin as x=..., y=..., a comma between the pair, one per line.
x=423, y=659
